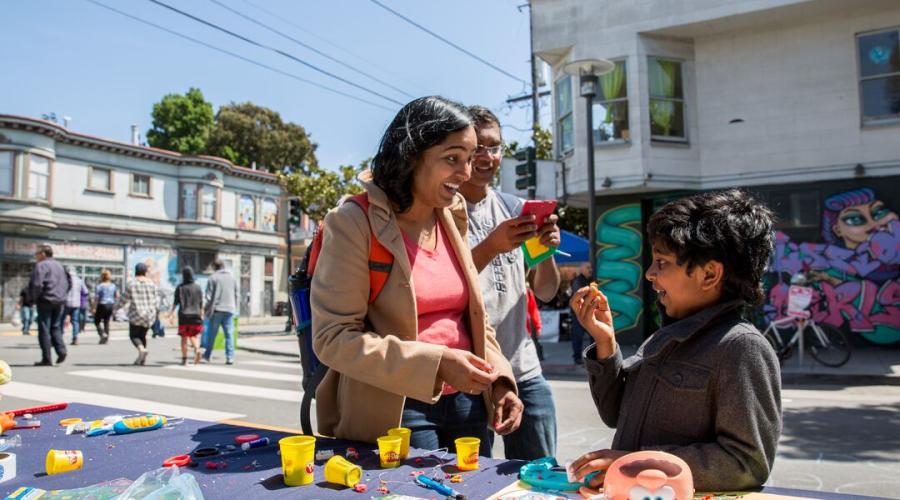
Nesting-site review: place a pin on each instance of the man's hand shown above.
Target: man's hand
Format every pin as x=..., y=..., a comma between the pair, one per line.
x=511, y=233
x=599, y=460
x=465, y=371
x=507, y=409
x=549, y=232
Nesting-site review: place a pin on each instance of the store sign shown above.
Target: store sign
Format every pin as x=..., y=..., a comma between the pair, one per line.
x=65, y=250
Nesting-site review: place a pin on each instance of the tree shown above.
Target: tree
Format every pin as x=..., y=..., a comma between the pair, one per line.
x=182, y=123
x=574, y=220
x=320, y=190
x=246, y=134
x=543, y=145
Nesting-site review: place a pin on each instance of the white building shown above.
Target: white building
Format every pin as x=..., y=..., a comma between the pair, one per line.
x=797, y=100
x=103, y=204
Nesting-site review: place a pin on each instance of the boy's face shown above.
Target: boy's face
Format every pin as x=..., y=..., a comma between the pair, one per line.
x=682, y=291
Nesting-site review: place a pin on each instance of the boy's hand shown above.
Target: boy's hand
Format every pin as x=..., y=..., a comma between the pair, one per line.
x=465, y=371
x=507, y=409
x=511, y=233
x=549, y=232
x=592, y=310
x=599, y=460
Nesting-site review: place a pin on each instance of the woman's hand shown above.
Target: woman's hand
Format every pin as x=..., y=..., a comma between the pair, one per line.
x=507, y=409
x=592, y=310
x=465, y=371
x=599, y=460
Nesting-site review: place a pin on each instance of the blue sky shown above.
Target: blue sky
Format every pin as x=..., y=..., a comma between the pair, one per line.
x=105, y=71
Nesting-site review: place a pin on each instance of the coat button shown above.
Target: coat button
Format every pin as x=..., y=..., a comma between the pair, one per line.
x=677, y=378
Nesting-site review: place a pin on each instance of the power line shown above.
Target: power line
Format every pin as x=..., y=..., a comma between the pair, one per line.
x=273, y=49
x=307, y=46
x=328, y=42
x=238, y=56
x=448, y=42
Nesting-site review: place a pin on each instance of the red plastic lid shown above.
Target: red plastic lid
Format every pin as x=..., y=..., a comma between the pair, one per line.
x=245, y=438
x=177, y=461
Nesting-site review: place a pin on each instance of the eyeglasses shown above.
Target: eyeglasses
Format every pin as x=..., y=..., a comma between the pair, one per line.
x=493, y=150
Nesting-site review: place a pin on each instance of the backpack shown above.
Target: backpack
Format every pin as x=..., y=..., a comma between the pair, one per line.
x=380, y=263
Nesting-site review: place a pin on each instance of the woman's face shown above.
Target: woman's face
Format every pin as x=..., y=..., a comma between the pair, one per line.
x=855, y=223
x=443, y=168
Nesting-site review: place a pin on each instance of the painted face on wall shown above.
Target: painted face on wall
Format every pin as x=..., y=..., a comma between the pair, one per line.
x=855, y=223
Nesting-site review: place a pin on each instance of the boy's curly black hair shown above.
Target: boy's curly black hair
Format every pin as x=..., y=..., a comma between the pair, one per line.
x=727, y=226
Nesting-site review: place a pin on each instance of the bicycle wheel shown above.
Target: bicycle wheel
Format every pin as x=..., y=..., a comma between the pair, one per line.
x=776, y=339
x=827, y=344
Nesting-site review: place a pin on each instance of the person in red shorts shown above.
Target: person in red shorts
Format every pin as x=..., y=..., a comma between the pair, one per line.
x=189, y=301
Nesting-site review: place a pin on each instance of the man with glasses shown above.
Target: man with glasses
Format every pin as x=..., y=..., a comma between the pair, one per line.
x=496, y=231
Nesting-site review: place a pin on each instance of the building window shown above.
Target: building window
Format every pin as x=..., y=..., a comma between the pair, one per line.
x=140, y=185
x=879, y=75
x=100, y=179
x=796, y=209
x=38, y=177
x=7, y=167
x=611, y=107
x=189, y=201
x=209, y=197
x=268, y=217
x=246, y=212
x=666, y=101
x=564, y=121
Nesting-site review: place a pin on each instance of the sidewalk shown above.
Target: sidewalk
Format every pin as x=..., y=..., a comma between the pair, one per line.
x=868, y=364
x=255, y=325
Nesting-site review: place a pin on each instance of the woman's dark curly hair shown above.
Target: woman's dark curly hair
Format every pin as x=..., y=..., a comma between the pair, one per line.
x=727, y=226
x=421, y=124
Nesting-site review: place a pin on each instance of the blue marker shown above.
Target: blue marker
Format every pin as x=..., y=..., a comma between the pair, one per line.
x=429, y=483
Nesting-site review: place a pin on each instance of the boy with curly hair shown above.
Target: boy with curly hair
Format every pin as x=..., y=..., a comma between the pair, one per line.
x=706, y=386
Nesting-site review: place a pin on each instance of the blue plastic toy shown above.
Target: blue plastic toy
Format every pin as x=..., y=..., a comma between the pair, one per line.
x=546, y=474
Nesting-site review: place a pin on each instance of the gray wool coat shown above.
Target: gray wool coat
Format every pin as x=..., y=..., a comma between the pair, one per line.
x=706, y=388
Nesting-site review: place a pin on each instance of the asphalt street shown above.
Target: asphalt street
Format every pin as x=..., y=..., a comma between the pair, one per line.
x=838, y=439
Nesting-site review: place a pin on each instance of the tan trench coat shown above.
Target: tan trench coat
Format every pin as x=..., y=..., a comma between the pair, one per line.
x=375, y=360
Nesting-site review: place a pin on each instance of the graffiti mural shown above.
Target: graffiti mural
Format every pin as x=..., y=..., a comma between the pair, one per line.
x=618, y=263
x=855, y=272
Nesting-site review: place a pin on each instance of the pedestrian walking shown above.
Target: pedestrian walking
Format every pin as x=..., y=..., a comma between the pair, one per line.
x=27, y=312
x=106, y=294
x=221, y=306
x=73, y=303
x=162, y=304
x=49, y=289
x=189, y=302
x=141, y=301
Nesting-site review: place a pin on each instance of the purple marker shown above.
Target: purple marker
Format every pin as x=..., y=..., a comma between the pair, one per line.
x=256, y=443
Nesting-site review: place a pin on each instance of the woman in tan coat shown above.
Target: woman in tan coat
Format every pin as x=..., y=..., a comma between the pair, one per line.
x=422, y=354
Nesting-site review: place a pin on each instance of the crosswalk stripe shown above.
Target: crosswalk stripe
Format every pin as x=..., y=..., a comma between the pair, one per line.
x=192, y=384
x=47, y=394
x=274, y=364
x=236, y=372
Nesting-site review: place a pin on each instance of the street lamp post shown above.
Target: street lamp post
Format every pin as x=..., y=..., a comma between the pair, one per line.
x=588, y=71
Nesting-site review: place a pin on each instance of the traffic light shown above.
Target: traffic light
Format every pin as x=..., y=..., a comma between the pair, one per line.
x=526, y=172
x=294, y=212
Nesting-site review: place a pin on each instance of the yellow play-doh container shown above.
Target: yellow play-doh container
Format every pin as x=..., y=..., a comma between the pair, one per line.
x=59, y=461
x=339, y=470
x=404, y=433
x=297, y=459
x=389, y=451
x=467, y=453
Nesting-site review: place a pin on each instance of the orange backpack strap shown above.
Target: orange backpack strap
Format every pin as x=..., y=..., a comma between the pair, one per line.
x=380, y=259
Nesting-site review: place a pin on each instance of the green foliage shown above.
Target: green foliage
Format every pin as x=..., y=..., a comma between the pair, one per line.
x=574, y=220
x=543, y=140
x=320, y=190
x=182, y=123
x=246, y=133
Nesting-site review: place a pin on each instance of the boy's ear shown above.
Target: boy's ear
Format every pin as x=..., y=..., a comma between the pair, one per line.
x=713, y=273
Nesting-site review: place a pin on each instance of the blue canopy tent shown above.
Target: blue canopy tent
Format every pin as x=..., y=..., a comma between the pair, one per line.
x=574, y=245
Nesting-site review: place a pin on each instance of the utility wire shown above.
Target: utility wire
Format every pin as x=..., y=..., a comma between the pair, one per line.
x=307, y=46
x=356, y=56
x=273, y=49
x=448, y=42
x=238, y=56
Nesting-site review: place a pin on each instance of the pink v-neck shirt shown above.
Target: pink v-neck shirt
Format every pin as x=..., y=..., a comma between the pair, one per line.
x=442, y=295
